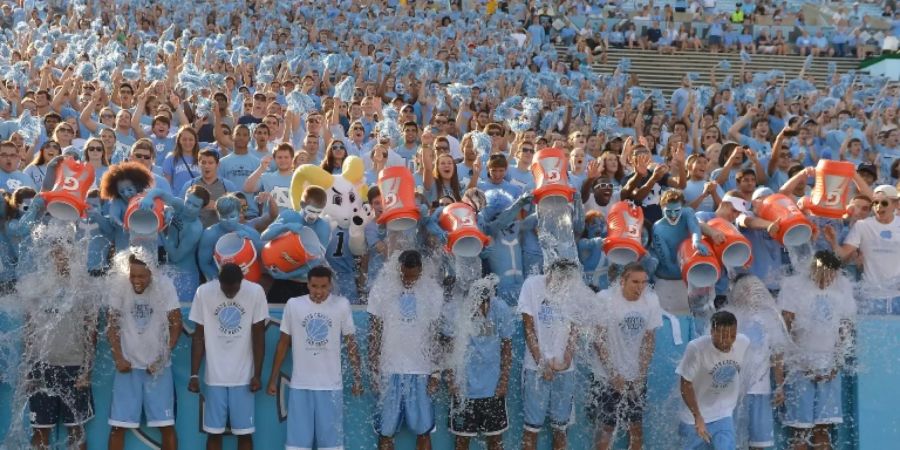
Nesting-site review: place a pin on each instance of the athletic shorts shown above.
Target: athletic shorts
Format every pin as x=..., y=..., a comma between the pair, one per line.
x=404, y=400
x=609, y=406
x=721, y=431
x=542, y=398
x=315, y=419
x=808, y=403
x=137, y=391
x=284, y=290
x=228, y=405
x=478, y=417
x=762, y=420
x=56, y=399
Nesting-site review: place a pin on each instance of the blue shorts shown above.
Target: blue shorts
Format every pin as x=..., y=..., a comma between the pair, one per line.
x=231, y=405
x=762, y=420
x=721, y=431
x=315, y=418
x=541, y=398
x=809, y=403
x=404, y=400
x=138, y=391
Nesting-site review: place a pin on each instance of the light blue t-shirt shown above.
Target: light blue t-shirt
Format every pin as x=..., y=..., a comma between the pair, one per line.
x=482, y=359
x=10, y=181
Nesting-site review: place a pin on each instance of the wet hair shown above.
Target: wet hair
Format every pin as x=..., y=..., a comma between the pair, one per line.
x=320, y=272
x=227, y=203
x=722, y=319
x=828, y=259
x=132, y=171
x=561, y=265
x=230, y=273
x=199, y=192
x=630, y=268
x=410, y=259
x=135, y=259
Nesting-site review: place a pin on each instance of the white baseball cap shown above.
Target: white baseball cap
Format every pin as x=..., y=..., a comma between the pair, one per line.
x=738, y=203
x=887, y=190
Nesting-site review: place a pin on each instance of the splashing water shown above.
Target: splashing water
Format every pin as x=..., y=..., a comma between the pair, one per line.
x=554, y=227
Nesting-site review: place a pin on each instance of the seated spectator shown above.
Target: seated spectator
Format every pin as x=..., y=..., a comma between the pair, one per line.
x=804, y=43
x=820, y=44
x=652, y=35
x=745, y=40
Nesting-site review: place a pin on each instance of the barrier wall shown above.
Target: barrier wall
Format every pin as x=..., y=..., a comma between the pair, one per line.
x=660, y=423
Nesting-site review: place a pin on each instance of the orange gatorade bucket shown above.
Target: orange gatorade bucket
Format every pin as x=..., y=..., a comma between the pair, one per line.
x=398, y=196
x=231, y=248
x=829, y=196
x=736, y=250
x=795, y=229
x=67, y=199
x=550, y=177
x=289, y=251
x=142, y=221
x=623, y=243
x=697, y=270
x=463, y=236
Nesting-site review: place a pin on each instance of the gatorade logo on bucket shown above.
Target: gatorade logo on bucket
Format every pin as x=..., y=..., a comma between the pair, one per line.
x=551, y=170
x=71, y=184
x=389, y=194
x=834, y=189
x=462, y=218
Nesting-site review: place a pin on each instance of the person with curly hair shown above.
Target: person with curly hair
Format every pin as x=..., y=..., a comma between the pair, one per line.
x=118, y=186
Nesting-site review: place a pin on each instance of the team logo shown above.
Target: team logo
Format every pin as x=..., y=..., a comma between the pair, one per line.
x=886, y=235
x=13, y=184
x=141, y=314
x=317, y=326
x=282, y=197
x=408, y=307
x=229, y=315
x=723, y=373
x=632, y=325
x=546, y=315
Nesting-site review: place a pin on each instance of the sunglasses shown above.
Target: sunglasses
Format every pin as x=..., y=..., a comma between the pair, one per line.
x=338, y=147
x=107, y=116
x=603, y=185
x=143, y=156
x=66, y=130
x=442, y=148
x=882, y=203
x=94, y=149
x=527, y=150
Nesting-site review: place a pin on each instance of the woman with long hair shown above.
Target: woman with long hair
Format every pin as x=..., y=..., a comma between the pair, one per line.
x=335, y=155
x=180, y=167
x=37, y=169
x=64, y=134
x=95, y=155
x=440, y=179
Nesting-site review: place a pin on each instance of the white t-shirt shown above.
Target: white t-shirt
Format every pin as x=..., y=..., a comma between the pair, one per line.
x=551, y=325
x=409, y=321
x=626, y=322
x=817, y=320
x=715, y=375
x=765, y=331
x=143, y=318
x=880, y=247
x=227, y=324
x=316, y=330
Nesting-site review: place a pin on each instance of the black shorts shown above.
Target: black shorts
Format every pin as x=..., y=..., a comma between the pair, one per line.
x=55, y=398
x=284, y=290
x=608, y=406
x=478, y=416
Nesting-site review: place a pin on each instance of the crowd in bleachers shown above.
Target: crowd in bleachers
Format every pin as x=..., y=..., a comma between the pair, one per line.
x=217, y=108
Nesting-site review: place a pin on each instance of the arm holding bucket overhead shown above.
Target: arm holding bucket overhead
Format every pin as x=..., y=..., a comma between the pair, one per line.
x=50, y=176
x=799, y=178
x=167, y=198
x=861, y=186
x=693, y=226
x=433, y=225
x=509, y=215
x=206, y=252
x=578, y=214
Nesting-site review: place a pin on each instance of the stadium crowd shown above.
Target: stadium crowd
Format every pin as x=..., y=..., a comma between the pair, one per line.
x=216, y=108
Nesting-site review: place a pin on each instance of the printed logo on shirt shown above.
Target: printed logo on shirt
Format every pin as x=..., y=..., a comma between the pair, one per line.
x=13, y=184
x=546, y=315
x=723, y=373
x=407, y=307
x=317, y=326
x=141, y=313
x=632, y=325
x=282, y=197
x=886, y=235
x=229, y=315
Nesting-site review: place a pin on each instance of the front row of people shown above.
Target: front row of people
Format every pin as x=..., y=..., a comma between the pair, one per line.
x=416, y=340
